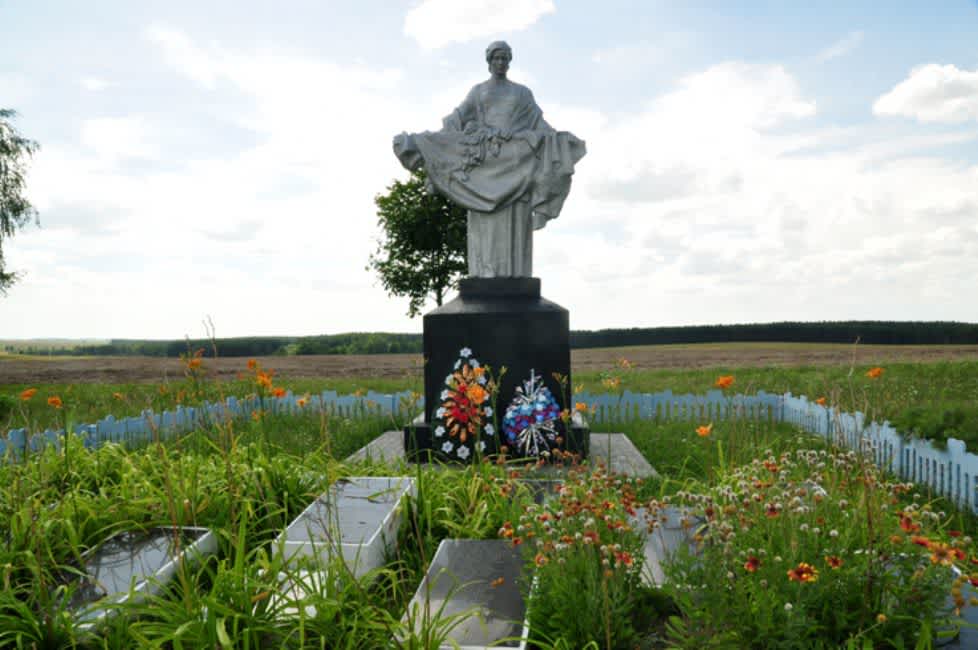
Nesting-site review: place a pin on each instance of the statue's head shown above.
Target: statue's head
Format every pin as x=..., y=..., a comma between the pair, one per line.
x=498, y=56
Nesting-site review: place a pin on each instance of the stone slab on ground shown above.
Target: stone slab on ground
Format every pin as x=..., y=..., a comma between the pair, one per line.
x=620, y=455
x=132, y=565
x=358, y=517
x=675, y=528
x=624, y=457
x=479, y=579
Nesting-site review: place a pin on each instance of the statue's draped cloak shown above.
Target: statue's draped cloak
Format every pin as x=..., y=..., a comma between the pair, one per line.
x=495, y=150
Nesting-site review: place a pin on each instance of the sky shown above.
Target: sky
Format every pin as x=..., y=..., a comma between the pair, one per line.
x=747, y=162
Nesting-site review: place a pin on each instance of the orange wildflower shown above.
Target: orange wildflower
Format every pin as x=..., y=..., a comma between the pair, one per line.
x=278, y=392
x=118, y=396
x=875, y=373
x=833, y=561
x=55, y=401
x=252, y=364
x=302, y=401
x=772, y=511
x=804, y=572
x=27, y=394
x=724, y=381
x=820, y=401
x=498, y=581
x=264, y=379
x=540, y=559
x=941, y=553
x=752, y=564
x=580, y=407
x=193, y=364
x=705, y=430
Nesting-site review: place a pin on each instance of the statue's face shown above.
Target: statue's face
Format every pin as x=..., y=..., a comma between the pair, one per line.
x=499, y=63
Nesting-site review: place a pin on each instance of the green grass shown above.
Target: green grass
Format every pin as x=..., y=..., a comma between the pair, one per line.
x=903, y=385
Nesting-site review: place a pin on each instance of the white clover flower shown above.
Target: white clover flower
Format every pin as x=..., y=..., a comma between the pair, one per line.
x=465, y=352
x=788, y=607
x=833, y=533
x=439, y=431
x=447, y=447
x=463, y=452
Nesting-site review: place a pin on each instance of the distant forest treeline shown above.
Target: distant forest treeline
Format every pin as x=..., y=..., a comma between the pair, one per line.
x=877, y=332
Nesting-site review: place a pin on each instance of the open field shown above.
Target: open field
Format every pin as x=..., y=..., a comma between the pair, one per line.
x=118, y=370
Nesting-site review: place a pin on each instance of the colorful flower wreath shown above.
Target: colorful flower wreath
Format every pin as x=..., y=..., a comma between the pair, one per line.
x=465, y=407
x=531, y=425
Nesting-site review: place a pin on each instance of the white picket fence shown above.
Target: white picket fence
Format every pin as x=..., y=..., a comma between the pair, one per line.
x=951, y=472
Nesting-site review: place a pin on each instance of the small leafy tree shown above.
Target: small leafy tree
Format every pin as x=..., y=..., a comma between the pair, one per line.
x=423, y=251
x=15, y=209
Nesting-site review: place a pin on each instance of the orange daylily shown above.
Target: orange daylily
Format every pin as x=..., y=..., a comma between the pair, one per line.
x=724, y=381
x=875, y=373
x=55, y=401
x=27, y=394
x=704, y=430
x=820, y=401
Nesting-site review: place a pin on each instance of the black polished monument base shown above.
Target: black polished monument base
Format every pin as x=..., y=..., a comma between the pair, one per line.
x=495, y=323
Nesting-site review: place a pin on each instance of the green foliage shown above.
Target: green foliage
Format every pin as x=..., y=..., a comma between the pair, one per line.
x=15, y=209
x=424, y=248
x=798, y=550
x=938, y=423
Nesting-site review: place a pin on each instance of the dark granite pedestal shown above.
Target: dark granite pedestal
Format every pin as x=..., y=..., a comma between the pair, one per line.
x=500, y=322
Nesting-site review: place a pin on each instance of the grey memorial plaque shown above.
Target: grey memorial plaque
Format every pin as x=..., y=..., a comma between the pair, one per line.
x=134, y=564
x=476, y=577
x=358, y=517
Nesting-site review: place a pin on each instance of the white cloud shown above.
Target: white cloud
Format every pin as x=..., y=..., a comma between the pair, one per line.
x=844, y=46
x=933, y=93
x=725, y=220
x=94, y=84
x=437, y=23
x=117, y=138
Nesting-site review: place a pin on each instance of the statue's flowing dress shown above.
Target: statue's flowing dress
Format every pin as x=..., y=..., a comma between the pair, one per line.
x=496, y=156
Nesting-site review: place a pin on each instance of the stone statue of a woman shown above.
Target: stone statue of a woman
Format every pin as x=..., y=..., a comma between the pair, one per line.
x=497, y=157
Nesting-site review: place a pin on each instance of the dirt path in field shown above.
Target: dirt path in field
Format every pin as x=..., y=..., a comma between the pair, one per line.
x=15, y=370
